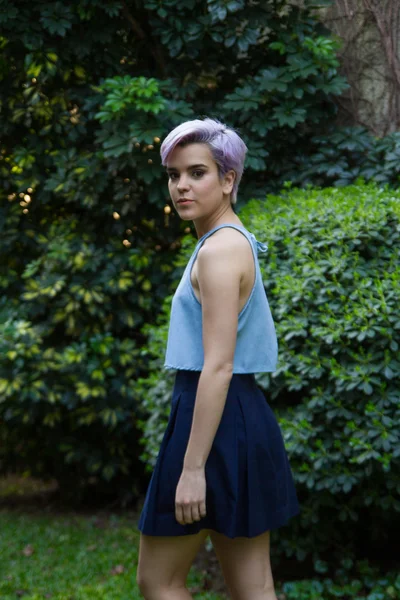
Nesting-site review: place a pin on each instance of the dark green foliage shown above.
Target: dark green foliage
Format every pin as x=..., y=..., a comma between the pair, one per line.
x=70, y=349
x=88, y=90
x=87, y=87
x=69, y=410
x=333, y=282
x=341, y=157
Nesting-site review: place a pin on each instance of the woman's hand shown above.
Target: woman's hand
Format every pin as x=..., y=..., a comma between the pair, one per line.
x=190, y=496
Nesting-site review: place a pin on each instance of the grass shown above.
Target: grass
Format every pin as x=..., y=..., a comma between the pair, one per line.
x=73, y=556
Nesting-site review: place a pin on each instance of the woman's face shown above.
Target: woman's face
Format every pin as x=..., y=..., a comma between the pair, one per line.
x=193, y=174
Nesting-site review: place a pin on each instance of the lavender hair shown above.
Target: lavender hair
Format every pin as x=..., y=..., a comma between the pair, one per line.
x=227, y=147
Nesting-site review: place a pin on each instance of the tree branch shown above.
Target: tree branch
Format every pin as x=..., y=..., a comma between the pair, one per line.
x=134, y=24
x=141, y=34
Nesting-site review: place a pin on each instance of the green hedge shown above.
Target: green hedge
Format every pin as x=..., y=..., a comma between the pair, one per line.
x=332, y=278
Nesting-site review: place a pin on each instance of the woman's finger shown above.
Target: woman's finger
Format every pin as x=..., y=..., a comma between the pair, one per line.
x=195, y=512
x=187, y=513
x=179, y=514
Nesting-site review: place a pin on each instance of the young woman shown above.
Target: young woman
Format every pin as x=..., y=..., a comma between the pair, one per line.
x=222, y=469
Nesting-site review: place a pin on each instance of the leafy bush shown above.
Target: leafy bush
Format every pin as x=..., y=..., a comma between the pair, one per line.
x=367, y=584
x=341, y=156
x=68, y=364
x=333, y=282
x=69, y=412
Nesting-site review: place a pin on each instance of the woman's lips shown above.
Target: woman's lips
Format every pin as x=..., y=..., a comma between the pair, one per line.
x=185, y=202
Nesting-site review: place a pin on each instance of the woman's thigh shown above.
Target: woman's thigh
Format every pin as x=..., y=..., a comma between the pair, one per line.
x=245, y=563
x=165, y=561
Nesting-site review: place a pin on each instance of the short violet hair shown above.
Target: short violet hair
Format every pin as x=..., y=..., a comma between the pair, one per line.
x=226, y=146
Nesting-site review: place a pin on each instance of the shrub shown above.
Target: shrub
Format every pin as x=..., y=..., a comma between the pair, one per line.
x=68, y=412
x=340, y=157
x=367, y=584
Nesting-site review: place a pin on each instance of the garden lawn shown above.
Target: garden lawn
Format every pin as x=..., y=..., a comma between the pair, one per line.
x=73, y=556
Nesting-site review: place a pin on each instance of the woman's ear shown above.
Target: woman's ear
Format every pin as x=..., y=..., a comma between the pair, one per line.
x=228, y=181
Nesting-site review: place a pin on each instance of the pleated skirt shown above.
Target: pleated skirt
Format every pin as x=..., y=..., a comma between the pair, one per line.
x=249, y=483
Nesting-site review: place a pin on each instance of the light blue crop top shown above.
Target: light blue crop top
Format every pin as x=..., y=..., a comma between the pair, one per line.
x=256, y=343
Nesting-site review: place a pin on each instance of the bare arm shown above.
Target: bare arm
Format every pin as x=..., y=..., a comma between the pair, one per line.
x=219, y=272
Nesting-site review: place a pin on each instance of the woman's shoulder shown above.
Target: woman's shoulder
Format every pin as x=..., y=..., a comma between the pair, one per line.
x=229, y=240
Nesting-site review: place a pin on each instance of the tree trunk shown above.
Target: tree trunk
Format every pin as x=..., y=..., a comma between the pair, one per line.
x=370, y=31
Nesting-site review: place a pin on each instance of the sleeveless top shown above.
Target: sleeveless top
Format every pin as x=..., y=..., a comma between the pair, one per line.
x=256, y=343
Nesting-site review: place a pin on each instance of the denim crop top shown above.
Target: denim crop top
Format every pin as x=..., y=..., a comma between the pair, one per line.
x=256, y=343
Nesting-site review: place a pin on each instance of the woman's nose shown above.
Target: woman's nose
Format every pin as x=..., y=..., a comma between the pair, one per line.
x=182, y=184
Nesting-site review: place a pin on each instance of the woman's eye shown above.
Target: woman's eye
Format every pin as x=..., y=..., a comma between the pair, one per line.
x=173, y=176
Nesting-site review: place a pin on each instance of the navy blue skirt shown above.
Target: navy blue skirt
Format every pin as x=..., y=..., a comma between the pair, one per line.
x=249, y=484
